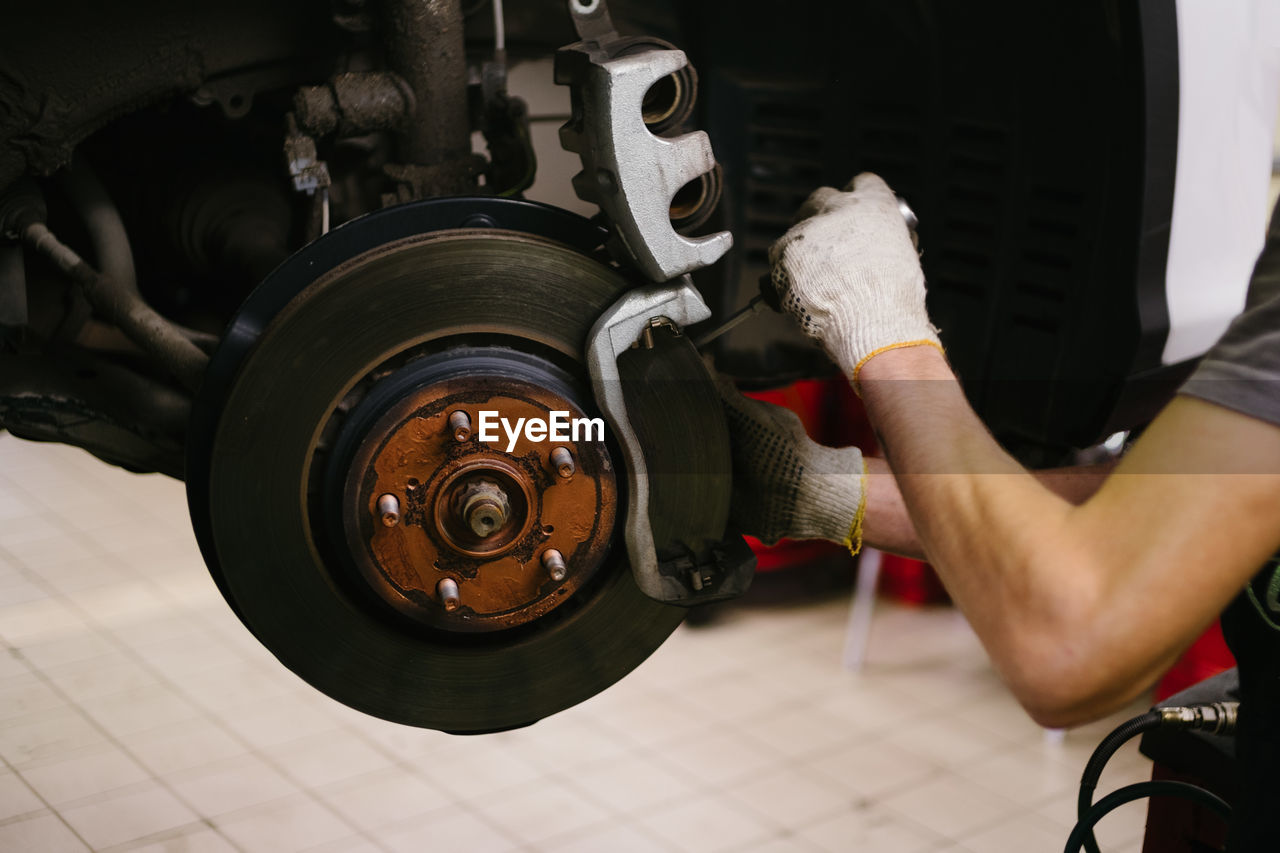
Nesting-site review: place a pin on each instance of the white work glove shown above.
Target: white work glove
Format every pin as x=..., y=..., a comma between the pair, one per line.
x=786, y=485
x=849, y=274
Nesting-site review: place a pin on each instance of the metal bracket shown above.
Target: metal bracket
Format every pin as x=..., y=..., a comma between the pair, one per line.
x=592, y=21
x=725, y=572
x=631, y=173
x=617, y=329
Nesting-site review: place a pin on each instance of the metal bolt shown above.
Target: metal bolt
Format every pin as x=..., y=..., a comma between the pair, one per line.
x=485, y=508
x=447, y=589
x=553, y=562
x=562, y=460
x=389, y=510
x=460, y=423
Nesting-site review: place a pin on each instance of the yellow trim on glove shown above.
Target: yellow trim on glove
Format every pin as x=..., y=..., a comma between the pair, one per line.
x=857, y=368
x=853, y=539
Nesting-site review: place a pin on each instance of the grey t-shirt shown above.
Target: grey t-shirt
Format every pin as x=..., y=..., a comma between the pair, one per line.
x=1242, y=370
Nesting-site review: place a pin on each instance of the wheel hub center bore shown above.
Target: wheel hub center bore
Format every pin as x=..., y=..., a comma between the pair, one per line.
x=460, y=531
x=480, y=502
x=485, y=508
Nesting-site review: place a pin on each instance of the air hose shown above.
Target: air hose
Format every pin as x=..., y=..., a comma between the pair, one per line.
x=1082, y=835
x=1214, y=718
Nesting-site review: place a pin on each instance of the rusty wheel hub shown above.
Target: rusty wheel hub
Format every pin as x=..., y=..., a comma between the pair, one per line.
x=461, y=519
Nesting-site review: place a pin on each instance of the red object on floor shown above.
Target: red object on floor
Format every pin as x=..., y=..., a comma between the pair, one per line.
x=831, y=413
x=790, y=552
x=1205, y=658
x=911, y=581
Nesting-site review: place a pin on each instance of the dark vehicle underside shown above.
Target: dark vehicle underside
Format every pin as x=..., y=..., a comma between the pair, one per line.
x=283, y=250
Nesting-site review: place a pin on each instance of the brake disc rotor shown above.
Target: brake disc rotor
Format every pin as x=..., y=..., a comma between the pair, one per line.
x=397, y=565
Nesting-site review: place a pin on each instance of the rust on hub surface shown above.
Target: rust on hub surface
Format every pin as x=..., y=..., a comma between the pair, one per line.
x=473, y=513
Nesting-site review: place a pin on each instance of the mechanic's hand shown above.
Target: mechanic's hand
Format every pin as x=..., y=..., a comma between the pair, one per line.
x=849, y=274
x=785, y=485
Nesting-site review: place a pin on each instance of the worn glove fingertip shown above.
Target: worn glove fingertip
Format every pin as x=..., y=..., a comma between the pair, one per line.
x=868, y=184
x=817, y=202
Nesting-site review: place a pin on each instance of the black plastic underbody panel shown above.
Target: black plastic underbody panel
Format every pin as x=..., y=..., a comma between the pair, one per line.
x=1036, y=143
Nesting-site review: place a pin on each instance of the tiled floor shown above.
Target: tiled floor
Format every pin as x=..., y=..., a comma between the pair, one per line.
x=137, y=714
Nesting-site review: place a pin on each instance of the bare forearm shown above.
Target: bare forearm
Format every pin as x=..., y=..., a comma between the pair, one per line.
x=1054, y=588
x=997, y=536
x=888, y=524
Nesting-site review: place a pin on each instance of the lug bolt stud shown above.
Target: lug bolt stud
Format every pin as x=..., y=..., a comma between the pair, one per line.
x=562, y=461
x=447, y=589
x=389, y=510
x=460, y=423
x=553, y=562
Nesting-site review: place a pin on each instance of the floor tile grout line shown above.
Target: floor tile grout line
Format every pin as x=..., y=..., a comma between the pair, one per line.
x=419, y=773
x=95, y=471
x=368, y=742
x=110, y=738
x=632, y=748
x=784, y=761
x=1036, y=809
x=788, y=834
x=267, y=806
x=166, y=834
x=1014, y=811
x=149, y=580
x=878, y=803
x=1030, y=810
x=163, y=679
x=41, y=798
x=24, y=816
x=879, y=798
x=586, y=831
x=721, y=793
x=166, y=681
x=851, y=740
x=475, y=812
